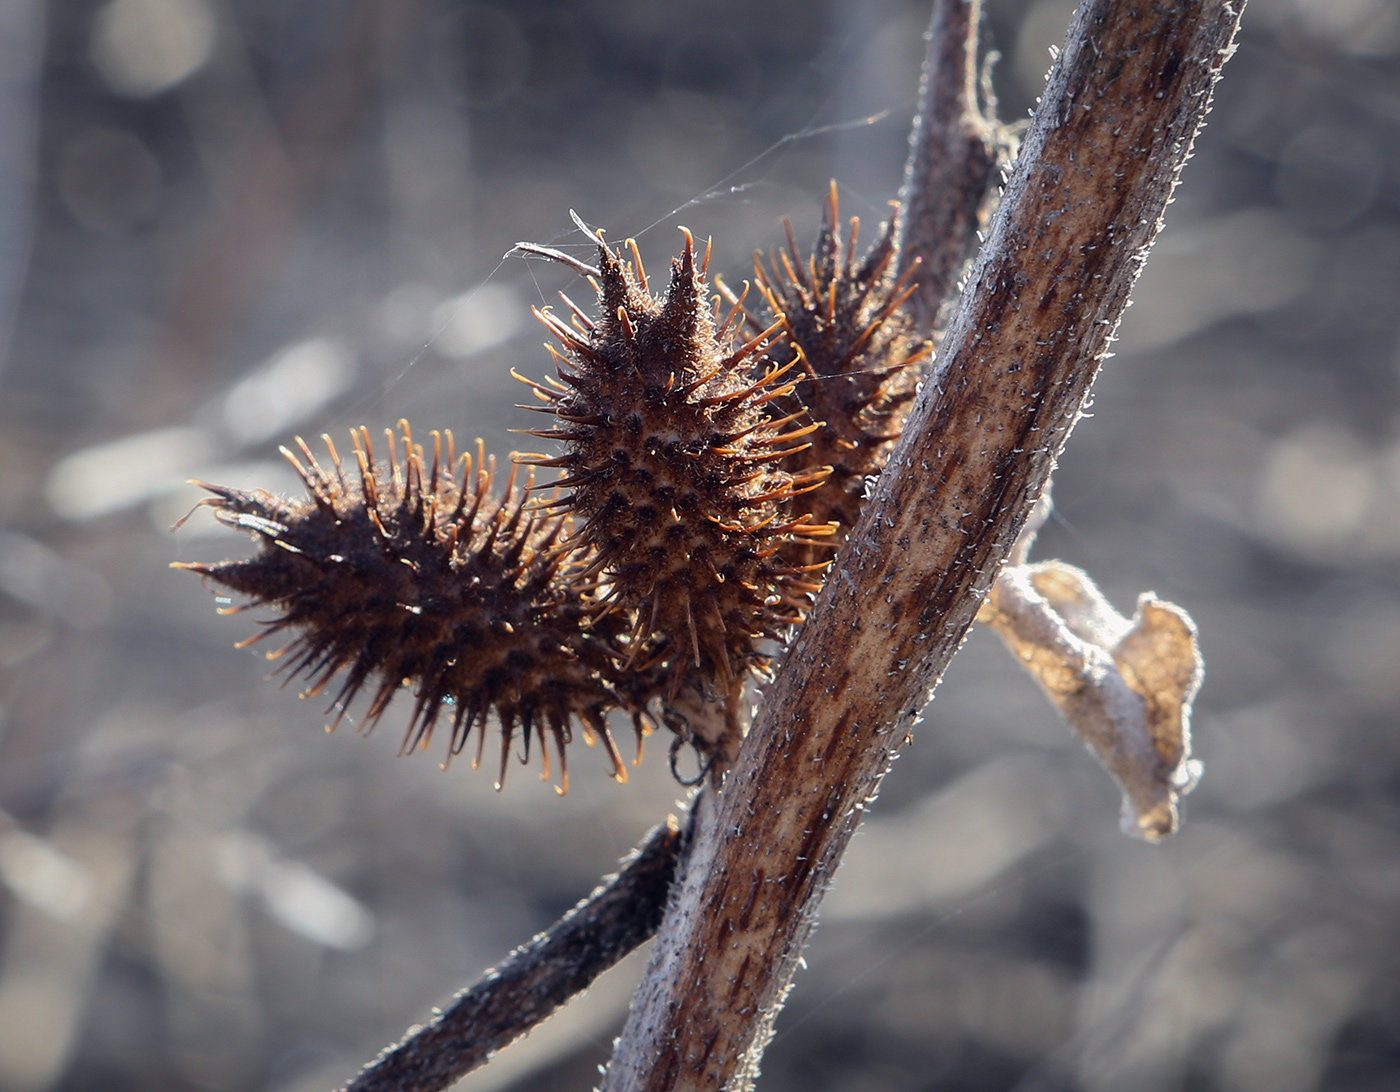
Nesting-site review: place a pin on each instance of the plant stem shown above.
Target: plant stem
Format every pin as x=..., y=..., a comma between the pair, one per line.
x=1083, y=205
x=956, y=148
x=535, y=979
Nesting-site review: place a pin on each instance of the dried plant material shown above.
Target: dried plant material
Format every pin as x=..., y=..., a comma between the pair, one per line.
x=956, y=150
x=672, y=461
x=409, y=573
x=537, y=977
x=681, y=470
x=857, y=356
x=1124, y=686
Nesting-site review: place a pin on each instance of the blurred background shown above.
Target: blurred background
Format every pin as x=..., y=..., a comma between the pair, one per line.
x=223, y=222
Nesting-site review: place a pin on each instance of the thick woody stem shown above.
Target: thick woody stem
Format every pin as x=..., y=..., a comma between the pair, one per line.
x=1082, y=207
x=535, y=979
x=956, y=149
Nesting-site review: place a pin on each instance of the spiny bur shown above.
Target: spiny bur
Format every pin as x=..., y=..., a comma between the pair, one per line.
x=406, y=573
x=705, y=480
x=673, y=466
x=856, y=356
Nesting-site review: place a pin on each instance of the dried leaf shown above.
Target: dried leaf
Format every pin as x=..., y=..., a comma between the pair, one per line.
x=1125, y=686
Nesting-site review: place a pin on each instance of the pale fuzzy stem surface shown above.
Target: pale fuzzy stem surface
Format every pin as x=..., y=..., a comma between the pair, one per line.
x=1082, y=207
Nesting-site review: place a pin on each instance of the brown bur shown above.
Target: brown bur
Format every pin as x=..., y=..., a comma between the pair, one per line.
x=857, y=357
x=406, y=574
x=673, y=454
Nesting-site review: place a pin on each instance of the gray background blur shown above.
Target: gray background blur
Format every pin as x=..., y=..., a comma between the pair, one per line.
x=226, y=221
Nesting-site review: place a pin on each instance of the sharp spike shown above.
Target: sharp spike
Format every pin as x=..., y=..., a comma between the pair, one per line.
x=335, y=461
x=544, y=392
x=736, y=308
x=796, y=263
x=637, y=264
x=563, y=787
x=578, y=311
x=690, y=625
x=753, y=343
x=596, y=237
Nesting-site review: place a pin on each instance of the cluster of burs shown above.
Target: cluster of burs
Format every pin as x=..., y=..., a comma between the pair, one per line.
x=713, y=448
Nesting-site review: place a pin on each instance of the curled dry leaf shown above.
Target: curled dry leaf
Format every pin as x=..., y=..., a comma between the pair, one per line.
x=1125, y=686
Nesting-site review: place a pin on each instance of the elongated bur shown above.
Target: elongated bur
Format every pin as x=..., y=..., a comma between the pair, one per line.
x=404, y=572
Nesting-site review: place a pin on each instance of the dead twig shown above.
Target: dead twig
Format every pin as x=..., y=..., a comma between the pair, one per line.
x=535, y=979
x=956, y=151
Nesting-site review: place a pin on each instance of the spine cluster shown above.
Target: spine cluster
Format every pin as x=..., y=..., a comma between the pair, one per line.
x=708, y=465
x=857, y=354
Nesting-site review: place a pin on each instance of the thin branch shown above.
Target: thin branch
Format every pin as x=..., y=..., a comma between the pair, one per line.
x=535, y=979
x=1082, y=207
x=956, y=150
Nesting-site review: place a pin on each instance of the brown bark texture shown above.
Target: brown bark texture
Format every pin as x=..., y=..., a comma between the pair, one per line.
x=956, y=149
x=1042, y=300
x=536, y=978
